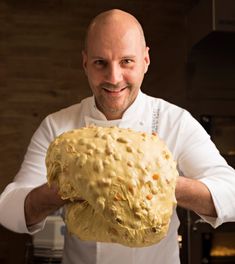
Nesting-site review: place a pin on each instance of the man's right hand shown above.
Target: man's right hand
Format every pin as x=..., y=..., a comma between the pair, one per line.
x=41, y=202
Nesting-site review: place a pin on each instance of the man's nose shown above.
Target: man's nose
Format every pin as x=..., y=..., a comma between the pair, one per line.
x=114, y=74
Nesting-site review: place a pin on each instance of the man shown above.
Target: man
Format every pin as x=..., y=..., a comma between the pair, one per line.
x=115, y=60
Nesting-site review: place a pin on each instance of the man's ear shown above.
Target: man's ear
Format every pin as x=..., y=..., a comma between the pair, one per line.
x=84, y=60
x=146, y=59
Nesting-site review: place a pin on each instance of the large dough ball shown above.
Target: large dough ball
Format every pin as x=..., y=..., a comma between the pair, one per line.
x=126, y=178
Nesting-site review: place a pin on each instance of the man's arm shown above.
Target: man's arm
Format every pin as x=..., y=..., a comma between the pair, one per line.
x=194, y=195
x=190, y=194
x=41, y=202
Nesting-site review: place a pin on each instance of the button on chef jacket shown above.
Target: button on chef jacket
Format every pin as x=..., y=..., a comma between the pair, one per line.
x=194, y=152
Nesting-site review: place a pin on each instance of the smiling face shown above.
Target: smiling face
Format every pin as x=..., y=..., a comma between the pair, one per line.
x=115, y=62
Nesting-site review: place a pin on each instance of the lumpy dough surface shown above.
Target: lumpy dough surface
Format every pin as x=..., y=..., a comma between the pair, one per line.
x=126, y=180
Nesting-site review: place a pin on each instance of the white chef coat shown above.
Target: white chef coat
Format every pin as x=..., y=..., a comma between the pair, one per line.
x=196, y=156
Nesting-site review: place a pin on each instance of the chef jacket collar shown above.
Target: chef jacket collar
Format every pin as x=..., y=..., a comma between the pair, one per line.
x=97, y=118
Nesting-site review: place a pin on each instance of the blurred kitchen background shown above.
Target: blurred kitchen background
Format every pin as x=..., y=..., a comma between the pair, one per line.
x=192, y=49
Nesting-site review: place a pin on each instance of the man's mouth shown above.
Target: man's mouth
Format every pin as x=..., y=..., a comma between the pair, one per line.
x=114, y=91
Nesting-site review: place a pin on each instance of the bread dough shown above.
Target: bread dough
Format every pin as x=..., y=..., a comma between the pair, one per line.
x=126, y=178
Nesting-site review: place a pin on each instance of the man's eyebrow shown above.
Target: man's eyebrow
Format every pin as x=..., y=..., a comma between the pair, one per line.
x=97, y=58
x=122, y=58
x=129, y=57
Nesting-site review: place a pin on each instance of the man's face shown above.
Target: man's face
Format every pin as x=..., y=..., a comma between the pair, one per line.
x=115, y=63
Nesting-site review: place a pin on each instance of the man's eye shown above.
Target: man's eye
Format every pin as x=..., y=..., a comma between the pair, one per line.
x=127, y=61
x=100, y=63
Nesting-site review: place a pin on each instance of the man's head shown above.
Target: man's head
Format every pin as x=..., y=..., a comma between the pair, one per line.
x=115, y=60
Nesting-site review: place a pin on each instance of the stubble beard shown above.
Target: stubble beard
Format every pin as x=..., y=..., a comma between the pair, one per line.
x=110, y=108
x=113, y=108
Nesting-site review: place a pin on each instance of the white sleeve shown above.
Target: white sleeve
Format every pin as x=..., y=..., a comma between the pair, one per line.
x=31, y=174
x=200, y=159
x=12, y=209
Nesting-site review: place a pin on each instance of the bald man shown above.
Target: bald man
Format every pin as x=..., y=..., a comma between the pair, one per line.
x=115, y=60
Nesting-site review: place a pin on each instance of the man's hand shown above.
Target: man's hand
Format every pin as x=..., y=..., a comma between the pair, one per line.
x=194, y=195
x=41, y=202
